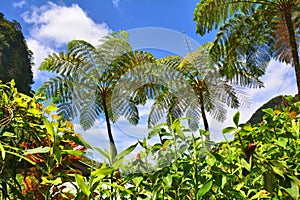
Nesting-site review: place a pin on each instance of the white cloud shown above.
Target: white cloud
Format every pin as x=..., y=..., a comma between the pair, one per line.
x=57, y=25
x=53, y=26
x=39, y=53
x=19, y=4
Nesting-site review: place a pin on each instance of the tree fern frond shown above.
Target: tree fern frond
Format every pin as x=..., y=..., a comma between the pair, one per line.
x=60, y=63
x=58, y=89
x=211, y=15
x=88, y=115
x=240, y=51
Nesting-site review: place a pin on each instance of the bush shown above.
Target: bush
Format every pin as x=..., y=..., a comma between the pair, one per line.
x=36, y=154
x=261, y=162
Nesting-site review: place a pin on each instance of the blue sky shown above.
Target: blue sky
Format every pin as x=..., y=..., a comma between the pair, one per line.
x=49, y=26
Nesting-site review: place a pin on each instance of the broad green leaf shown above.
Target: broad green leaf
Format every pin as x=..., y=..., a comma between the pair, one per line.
x=82, y=185
x=204, y=189
x=56, y=181
x=268, y=111
x=120, y=187
x=261, y=194
x=72, y=152
x=118, y=163
x=37, y=150
x=236, y=118
x=126, y=151
x=137, y=180
x=102, y=171
x=9, y=134
x=153, y=133
x=293, y=190
x=167, y=181
x=247, y=127
x=34, y=111
x=211, y=161
x=155, y=192
x=282, y=142
x=245, y=164
x=224, y=181
x=228, y=130
x=278, y=171
x=50, y=129
x=5, y=98
x=2, y=151
x=239, y=186
x=50, y=108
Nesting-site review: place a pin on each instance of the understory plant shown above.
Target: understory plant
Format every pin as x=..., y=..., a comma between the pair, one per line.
x=37, y=150
x=260, y=162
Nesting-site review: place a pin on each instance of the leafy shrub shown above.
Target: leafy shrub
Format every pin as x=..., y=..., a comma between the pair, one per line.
x=36, y=154
x=261, y=162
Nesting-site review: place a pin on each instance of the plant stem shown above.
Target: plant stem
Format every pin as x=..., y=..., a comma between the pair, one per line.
x=203, y=114
x=294, y=47
x=108, y=125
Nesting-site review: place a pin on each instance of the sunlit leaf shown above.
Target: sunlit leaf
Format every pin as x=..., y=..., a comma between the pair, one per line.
x=204, y=189
x=2, y=151
x=37, y=150
x=228, y=130
x=236, y=118
x=126, y=151
x=82, y=184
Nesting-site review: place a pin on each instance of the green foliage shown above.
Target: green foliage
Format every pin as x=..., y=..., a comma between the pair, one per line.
x=15, y=57
x=40, y=151
x=209, y=92
x=261, y=162
x=276, y=103
x=86, y=77
x=250, y=34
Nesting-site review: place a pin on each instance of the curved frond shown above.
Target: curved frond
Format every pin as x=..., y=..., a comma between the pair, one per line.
x=211, y=15
x=242, y=54
x=57, y=89
x=62, y=63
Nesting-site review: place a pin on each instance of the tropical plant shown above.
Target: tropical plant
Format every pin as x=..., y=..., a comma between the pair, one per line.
x=260, y=162
x=211, y=92
x=36, y=154
x=85, y=80
x=250, y=34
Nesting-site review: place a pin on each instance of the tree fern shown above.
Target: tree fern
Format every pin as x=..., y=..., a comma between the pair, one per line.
x=86, y=77
x=250, y=34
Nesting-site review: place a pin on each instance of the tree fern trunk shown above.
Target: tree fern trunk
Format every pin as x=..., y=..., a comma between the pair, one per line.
x=113, y=147
x=294, y=47
x=203, y=114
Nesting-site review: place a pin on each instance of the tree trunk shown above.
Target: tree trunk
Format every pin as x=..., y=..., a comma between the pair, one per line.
x=294, y=47
x=203, y=114
x=112, y=144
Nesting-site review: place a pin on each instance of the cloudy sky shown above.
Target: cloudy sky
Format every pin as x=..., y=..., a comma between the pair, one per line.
x=155, y=25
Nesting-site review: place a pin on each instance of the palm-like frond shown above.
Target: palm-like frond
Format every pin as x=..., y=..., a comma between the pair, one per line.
x=84, y=81
x=210, y=15
x=211, y=91
x=57, y=88
x=241, y=53
x=251, y=33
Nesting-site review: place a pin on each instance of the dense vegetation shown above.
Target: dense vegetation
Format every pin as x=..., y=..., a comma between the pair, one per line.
x=262, y=161
x=15, y=57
